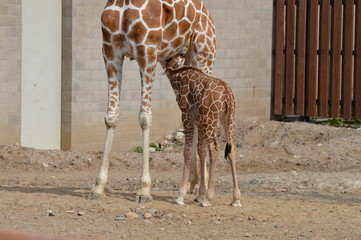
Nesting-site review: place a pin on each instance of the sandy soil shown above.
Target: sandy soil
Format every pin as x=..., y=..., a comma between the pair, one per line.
x=298, y=181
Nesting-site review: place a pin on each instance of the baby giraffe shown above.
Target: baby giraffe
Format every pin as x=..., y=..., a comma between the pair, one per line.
x=204, y=101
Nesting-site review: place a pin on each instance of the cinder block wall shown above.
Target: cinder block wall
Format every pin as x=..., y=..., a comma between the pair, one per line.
x=244, y=32
x=10, y=71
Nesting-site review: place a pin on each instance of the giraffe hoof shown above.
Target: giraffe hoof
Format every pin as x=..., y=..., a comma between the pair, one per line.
x=143, y=199
x=180, y=203
x=197, y=200
x=236, y=203
x=96, y=196
x=205, y=204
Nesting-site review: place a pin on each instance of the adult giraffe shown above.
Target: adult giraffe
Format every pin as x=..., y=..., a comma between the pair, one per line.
x=149, y=31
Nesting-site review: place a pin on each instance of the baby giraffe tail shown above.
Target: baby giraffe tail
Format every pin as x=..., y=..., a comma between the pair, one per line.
x=227, y=150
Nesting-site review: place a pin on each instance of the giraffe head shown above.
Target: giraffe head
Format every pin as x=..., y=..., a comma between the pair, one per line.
x=175, y=62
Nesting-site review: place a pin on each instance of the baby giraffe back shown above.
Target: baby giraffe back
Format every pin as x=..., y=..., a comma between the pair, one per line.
x=205, y=98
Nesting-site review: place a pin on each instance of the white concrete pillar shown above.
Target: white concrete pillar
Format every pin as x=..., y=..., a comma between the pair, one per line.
x=41, y=74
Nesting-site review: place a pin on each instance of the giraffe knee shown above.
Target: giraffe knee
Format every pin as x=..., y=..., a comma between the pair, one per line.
x=145, y=120
x=111, y=120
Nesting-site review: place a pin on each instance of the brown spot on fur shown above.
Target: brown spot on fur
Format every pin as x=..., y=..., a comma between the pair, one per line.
x=170, y=32
x=138, y=3
x=154, y=37
x=151, y=14
x=177, y=42
x=141, y=62
x=184, y=27
x=129, y=16
x=167, y=14
x=110, y=70
x=106, y=35
x=179, y=10
x=137, y=33
x=110, y=19
x=141, y=51
x=108, y=51
x=119, y=40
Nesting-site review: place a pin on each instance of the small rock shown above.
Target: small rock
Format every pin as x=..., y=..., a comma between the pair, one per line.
x=250, y=218
x=179, y=135
x=247, y=235
x=152, y=211
x=313, y=209
x=69, y=211
x=139, y=208
x=106, y=233
x=152, y=149
x=277, y=226
x=45, y=165
x=217, y=222
x=50, y=213
x=253, y=181
x=168, y=137
x=167, y=216
x=274, y=144
x=148, y=215
x=122, y=219
x=131, y=215
x=81, y=213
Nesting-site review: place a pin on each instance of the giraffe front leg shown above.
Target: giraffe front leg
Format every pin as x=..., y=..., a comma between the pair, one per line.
x=111, y=119
x=147, y=73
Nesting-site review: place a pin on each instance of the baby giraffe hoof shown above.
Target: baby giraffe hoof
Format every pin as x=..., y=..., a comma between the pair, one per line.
x=178, y=202
x=205, y=204
x=236, y=203
x=143, y=199
x=96, y=196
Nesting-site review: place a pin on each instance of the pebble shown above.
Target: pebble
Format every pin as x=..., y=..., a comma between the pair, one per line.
x=131, y=215
x=217, y=222
x=250, y=218
x=81, y=213
x=179, y=135
x=168, y=137
x=122, y=219
x=167, y=216
x=152, y=211
x=50, y=213
x=277, y=226
x=152, y=149
x=139, y=208
x=148, y=215
x=247, y=235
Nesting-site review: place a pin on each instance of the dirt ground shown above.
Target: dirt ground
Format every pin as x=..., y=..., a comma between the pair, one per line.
x=298, y=181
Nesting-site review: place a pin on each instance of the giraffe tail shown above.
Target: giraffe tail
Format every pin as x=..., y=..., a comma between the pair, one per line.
x=227, y=150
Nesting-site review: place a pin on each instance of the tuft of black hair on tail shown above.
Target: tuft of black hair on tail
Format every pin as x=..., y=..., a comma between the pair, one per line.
x=227, y=150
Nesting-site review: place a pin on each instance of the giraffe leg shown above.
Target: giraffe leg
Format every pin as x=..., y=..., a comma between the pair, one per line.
x=213, y=147
x=111, y=119
x=193, y=179
x=236, y=192
x=147, y=64
x=202, y=194
x=227, y=124
x=189, y=131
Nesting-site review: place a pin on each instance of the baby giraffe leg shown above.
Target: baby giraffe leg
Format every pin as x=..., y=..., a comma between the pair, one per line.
x=236, y=192
x=213, y=156
x=189, y=131
x=202, y=195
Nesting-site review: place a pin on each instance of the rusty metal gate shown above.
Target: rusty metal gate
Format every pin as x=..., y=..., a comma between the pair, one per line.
x=317, y=58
